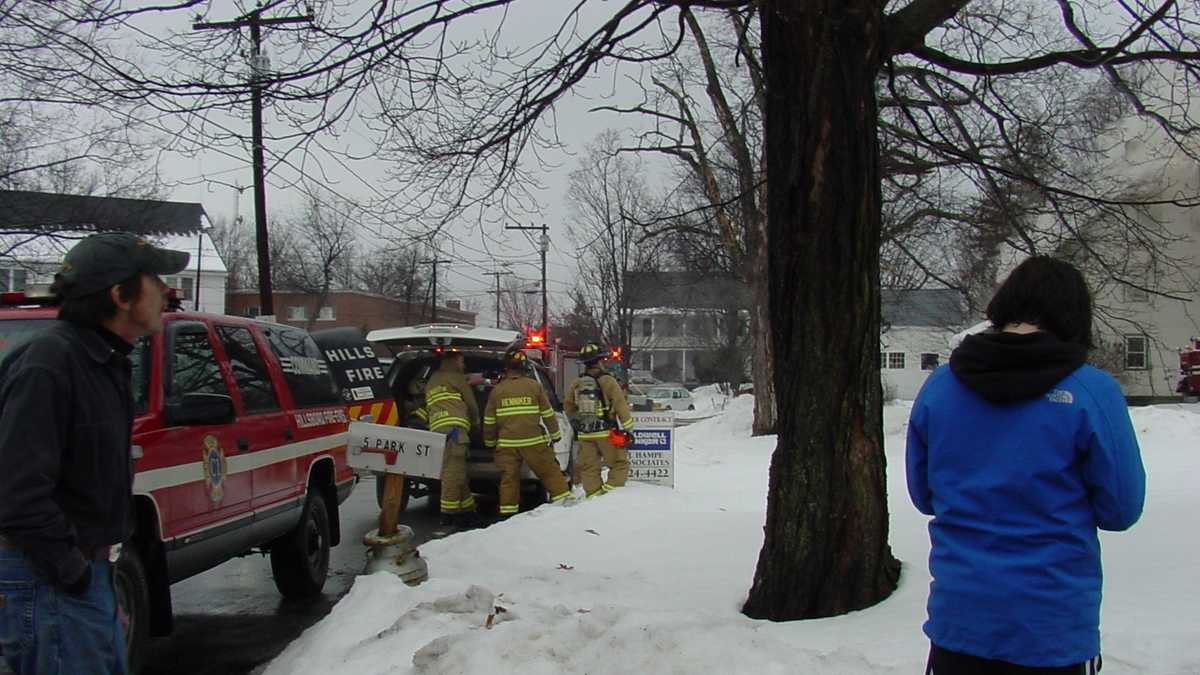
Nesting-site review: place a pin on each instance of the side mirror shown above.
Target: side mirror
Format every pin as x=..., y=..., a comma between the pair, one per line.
x=198, y=409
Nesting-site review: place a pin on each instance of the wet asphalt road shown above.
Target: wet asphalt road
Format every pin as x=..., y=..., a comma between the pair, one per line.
x=230, y=620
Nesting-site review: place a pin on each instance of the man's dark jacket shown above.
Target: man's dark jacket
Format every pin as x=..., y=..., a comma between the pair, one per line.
x=66, y=479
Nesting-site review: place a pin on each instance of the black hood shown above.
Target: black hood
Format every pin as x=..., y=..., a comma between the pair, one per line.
x=1010, y=367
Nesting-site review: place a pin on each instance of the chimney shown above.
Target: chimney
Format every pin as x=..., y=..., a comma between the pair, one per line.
x=454, y=304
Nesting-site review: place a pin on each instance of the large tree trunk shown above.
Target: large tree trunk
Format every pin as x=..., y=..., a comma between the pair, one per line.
x=826, y=549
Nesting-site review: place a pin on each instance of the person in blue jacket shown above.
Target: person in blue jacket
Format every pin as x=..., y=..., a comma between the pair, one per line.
x=1021, y=451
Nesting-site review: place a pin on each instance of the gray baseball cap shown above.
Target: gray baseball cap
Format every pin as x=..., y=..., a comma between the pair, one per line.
x=103, y=260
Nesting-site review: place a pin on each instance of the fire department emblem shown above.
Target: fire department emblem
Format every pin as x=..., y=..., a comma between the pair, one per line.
x=215, y=468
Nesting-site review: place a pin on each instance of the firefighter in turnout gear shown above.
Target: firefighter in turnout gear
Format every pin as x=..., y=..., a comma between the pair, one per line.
x=596, y=405
x=519, y=423
x=452, y=410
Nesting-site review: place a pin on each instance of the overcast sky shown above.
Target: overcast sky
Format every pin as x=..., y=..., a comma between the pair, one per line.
x=210, y=176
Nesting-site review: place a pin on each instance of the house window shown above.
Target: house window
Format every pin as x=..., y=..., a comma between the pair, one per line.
x=645, y=360
x=182, y=286
x=253, y=310
x=297, y=313
x=929, y=361
x=326, y=313
x=12, y=279
x=1133, y=294
x=1137, y=356
x=648, y=327
x=895, y=360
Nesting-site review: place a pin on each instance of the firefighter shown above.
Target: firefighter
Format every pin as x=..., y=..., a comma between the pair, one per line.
x=596, y=405
x=519, y=423
x=452, y=410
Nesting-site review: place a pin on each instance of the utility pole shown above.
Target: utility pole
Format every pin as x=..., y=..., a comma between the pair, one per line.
x=259, y=63
x=435, y=262
x=544, y=246
x=497, y=275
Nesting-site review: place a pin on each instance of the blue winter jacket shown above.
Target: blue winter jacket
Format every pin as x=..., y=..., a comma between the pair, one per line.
x=1017, y=492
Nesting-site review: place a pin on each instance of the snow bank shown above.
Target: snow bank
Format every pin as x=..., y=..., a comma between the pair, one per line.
x=650, y=580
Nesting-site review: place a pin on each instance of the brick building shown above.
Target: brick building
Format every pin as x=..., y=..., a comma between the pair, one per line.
x=358, y=309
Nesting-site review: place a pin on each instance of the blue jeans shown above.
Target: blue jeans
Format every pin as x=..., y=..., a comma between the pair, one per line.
x=45, y=631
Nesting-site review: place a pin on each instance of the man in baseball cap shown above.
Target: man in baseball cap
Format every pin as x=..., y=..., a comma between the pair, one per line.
x=66, y=417
x=105, y=260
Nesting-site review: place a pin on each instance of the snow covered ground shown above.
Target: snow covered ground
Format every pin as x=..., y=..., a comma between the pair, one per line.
x=650, y=579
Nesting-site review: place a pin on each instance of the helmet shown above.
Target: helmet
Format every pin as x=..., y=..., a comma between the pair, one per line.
x=515, y=359
x=592, y=353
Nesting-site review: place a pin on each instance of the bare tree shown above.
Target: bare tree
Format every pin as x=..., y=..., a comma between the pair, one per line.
x=520, y=304
x=608, y=200
x=312, y=253
x=393, y=271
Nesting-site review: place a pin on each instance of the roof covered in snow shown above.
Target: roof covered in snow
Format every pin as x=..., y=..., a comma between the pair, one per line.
x=926, y=307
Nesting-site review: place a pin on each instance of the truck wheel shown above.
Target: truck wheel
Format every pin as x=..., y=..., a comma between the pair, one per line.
x=132, y=588
x=300, y=559
x=379, y=492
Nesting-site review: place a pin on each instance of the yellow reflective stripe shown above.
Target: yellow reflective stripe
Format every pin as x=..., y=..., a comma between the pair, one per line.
x=438, y=398
x=556, y=435
x=627, y=425
x=517, y=410
x=596, y=493
x=489, y=444
x=522, y=442
x=547, y=413
x=607, y=488
x=420, y=413
x=559, y=497
x=509, y=508
x=443, y=422
x=593, y=435
x=490, y=419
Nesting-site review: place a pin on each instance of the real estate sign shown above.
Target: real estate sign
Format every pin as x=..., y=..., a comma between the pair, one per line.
x=652, y=452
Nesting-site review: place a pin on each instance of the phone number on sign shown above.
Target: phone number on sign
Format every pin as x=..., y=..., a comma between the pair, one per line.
x=647, y=474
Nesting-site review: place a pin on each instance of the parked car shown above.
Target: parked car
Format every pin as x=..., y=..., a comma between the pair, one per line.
x=637, y=398
x=238, y=446
x=415, y=352
x=671, y=398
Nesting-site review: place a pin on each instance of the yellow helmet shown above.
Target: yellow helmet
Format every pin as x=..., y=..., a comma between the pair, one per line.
x=592, y=353
x=515, y=359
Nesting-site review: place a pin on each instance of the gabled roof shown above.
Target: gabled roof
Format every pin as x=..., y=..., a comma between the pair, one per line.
x=32, y=211
x=684, y=290
x=923, y=307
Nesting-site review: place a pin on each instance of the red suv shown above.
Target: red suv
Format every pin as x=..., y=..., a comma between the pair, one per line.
x=239, y=444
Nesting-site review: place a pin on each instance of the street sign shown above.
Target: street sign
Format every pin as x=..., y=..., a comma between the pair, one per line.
x=379, y=447
x=652, y=452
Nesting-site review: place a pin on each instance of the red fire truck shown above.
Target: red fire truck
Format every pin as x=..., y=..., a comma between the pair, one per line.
x=239, y=445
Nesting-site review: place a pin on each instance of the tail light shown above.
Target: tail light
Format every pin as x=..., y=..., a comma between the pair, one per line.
x=618, y=438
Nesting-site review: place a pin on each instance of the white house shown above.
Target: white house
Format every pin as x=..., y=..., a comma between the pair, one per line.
x=37, y=228
x=915, y=336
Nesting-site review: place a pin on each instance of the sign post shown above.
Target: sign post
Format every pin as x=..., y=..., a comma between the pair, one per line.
x=652, y=452
x=397, y=452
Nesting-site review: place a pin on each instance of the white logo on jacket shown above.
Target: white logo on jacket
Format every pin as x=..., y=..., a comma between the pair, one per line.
x=1060, y=396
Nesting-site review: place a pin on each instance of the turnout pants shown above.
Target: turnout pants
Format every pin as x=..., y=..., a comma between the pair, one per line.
x=456, y=492
x=594, y=453
x=541, y=461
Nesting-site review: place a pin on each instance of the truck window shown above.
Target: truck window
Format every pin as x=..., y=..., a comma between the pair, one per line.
x=249, y=369
x=140, y=358
x=194, y=368
x=304, y=368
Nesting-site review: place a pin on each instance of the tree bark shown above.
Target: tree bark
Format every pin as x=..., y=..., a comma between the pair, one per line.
x=826, y=546
x=761, y=371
